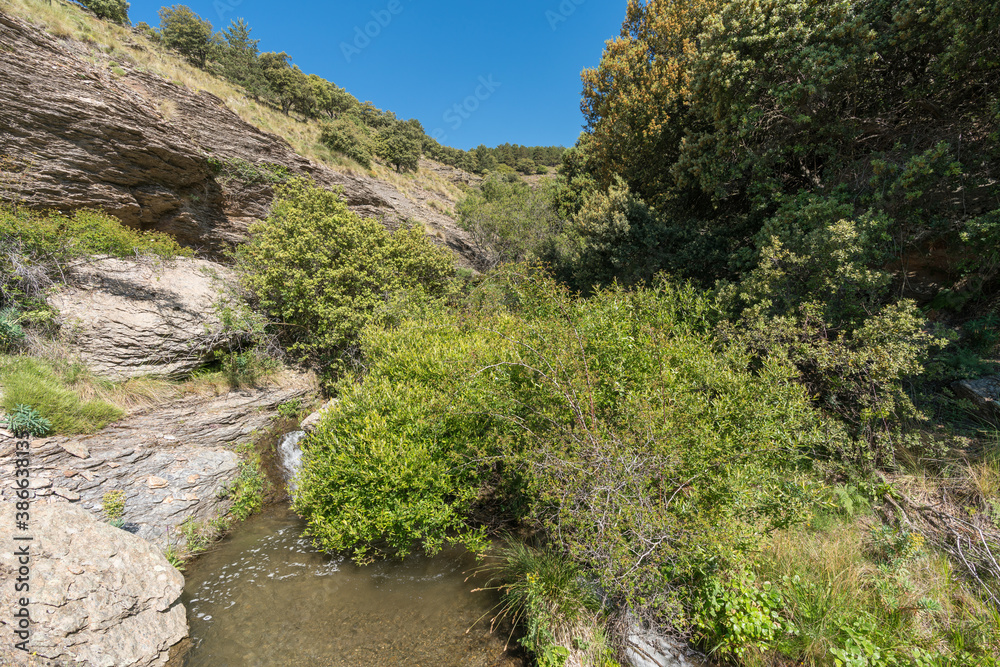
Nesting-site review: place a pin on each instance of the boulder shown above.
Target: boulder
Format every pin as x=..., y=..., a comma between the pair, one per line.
x=984, y=394
x=127, y=318
x=645, y=647
x=99, y=596
x=310, y=423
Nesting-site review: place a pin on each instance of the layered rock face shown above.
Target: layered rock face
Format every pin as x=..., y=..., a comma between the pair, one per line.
x=128, y=318
x=173, y=462
x=99, y=596
x=87, y=138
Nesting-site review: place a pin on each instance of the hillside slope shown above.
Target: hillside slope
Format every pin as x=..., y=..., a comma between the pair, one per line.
x=79, y=130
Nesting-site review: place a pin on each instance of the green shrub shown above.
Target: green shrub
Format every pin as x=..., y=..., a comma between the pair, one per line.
x=509, y=221
x=11, y=332
x=113, y=506
x=737, y=616
x=110, y=10
x=350, y=137
x=533, y=402
x=34, y=245
x=34, y=382
x=25, y=419
x=321, y=271
x=247, y=490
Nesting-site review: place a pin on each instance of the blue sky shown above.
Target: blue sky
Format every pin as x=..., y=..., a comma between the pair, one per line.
x=513, y=67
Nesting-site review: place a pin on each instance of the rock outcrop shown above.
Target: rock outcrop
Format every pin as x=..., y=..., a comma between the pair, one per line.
x=128, y=318
x=647, y=648
x=149, y=151
x=984, y=394
x=310, y=423
x=173, y=462
x=99, y=596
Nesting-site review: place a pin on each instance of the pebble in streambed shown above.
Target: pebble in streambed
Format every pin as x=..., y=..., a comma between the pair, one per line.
x=266, y=597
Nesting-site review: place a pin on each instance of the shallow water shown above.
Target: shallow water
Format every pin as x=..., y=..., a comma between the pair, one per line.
x=265, y=597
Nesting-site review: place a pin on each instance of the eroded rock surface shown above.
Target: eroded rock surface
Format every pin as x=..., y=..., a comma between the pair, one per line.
x=173, y=462
x=984, y=394
x=148, y=150
x=128, y=318
x=99, y=596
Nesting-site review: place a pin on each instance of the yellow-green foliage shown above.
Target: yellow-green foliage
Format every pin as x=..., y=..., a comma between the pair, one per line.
x=47, y=388
x=542, y=403
x=58, y=236
x=321, y=271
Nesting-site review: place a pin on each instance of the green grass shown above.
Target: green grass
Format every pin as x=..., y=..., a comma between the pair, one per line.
x=858, y=593
x=41, y=385
x=548, y=595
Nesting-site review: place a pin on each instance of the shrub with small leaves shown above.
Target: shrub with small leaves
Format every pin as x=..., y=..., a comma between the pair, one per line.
x=11, y=332
x=113, y=506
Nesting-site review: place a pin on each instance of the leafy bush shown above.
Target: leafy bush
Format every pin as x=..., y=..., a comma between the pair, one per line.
x=508, y=220
x=247, y=490
x=33, y=245
x=737, y=616
x=564, y=412
x=25, y=419
x=321, y=271
x=349, y=136
x=11, y=332
x=110, y=10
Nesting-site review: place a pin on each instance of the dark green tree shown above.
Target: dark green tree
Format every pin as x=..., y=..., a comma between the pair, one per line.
x=399, y=144
x=109, y=10
x=187, y=33
x=240, y=59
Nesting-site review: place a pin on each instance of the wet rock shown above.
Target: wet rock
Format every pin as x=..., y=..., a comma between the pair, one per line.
x=310, y=423
x=193, y=469
x=99, y=596
x=127, y=318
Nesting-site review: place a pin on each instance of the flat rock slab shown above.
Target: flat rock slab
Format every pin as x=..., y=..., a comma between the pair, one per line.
x=173, y=462
x=99, y=596
x=128, y=318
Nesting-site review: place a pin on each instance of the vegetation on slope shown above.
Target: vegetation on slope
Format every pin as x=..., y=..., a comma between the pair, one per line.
x=758, y=452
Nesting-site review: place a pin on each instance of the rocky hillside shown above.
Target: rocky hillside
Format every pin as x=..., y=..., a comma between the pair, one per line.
x=77, y=134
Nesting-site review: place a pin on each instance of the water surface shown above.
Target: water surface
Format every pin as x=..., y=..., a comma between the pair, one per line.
x=265, y=597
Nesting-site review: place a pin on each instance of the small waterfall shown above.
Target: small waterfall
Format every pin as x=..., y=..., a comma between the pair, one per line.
x=291, y=456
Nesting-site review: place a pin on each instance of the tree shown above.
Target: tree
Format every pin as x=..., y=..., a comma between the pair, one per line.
x=109, y=10
x=399, y=144
x=348, y=136
x=240, y=59
x=322, y=270
x=288, y=86
x=186, y=32
x=485, y=161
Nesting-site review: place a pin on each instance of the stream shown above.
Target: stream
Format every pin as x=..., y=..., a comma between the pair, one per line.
x=264, y=596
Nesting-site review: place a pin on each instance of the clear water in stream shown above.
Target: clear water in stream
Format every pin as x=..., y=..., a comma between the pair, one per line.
x=264, y=597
